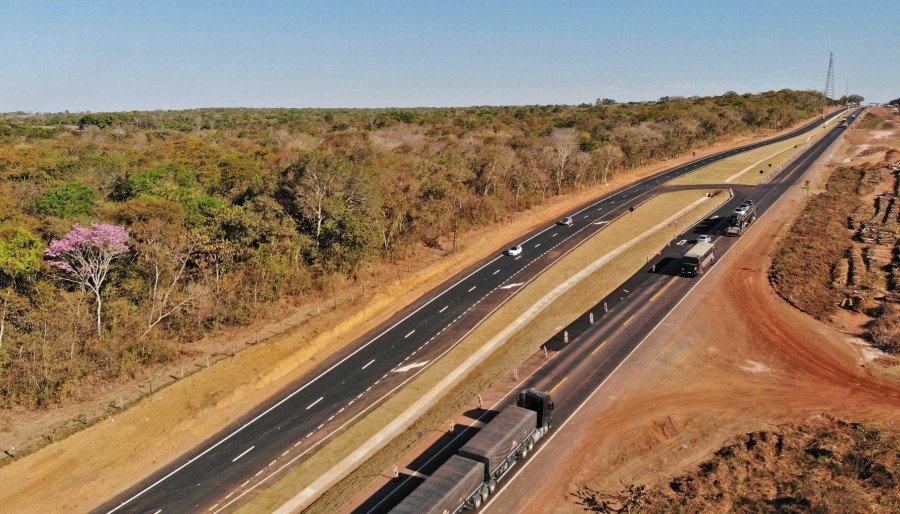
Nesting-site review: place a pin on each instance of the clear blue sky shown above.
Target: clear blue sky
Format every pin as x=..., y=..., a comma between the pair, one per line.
x=114, y=55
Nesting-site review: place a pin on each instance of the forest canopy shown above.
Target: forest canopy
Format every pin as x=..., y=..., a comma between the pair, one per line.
x=200, y=217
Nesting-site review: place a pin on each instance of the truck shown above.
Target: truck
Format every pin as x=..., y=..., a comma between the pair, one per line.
x=697, y=259
x=740, y=219
x=469, y=477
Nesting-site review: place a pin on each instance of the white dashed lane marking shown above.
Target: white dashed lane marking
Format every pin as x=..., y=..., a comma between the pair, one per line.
x=311, y=405
x=442, y=310
x=413, y=331
x=368, y=364
x=245, y=452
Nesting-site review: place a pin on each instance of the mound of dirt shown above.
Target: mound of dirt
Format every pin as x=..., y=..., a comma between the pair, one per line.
x=824, y=465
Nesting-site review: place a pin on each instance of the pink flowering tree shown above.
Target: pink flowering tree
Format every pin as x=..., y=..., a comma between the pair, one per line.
x=85, y=256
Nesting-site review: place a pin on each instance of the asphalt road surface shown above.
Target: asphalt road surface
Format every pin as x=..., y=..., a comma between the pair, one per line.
x=221, y=471
x=635, y=309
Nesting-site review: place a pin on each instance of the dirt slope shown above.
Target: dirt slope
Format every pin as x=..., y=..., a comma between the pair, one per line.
x=825, y=465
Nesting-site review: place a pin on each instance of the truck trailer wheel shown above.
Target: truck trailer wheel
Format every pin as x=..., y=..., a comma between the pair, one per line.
x=523, y=452
x=492, y=486
x=484, y=494
x=476, y=501
x=529, y=444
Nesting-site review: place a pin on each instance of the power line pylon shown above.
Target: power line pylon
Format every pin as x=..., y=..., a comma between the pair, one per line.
x=829, y=82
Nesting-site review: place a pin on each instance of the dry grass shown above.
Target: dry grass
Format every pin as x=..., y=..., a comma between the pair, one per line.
x=767, y=158
x=803, y=262
x=824, y=465
x=524, y=343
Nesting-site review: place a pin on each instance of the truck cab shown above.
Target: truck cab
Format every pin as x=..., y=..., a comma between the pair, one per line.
x=538, y=401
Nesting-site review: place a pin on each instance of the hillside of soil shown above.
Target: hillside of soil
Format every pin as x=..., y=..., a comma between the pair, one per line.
x=824, y=465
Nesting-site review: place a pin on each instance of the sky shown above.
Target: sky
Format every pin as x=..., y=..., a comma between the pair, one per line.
x=103, y=55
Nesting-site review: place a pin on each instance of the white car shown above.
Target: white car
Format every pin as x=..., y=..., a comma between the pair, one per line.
x=567, y=221
x=704, y=238
x=515, y=250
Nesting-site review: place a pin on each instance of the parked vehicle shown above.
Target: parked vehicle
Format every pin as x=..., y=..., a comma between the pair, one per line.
x=696, y=260
x=515, y=250
x=567, y=221
x=468, y=478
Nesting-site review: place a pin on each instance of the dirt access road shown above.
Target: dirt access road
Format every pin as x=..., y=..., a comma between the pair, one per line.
x=732, y=358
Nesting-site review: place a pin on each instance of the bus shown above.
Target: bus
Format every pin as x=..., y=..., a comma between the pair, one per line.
x=698, y=259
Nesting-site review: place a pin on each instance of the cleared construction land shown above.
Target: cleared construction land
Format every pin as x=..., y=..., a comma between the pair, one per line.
x=745, y=168
x=586, y=275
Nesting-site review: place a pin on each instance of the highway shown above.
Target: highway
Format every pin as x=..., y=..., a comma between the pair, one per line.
x=596, y=350
x=222, y=470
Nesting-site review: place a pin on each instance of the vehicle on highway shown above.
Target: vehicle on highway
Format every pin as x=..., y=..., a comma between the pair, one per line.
x=515, y=250
x=748, y=202
x=704, y=238
x=567, y=221
x=468, y=478
x=740, y=219
x=697, y=259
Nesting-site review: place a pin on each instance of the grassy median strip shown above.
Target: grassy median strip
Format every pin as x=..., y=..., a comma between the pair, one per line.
x=524, y=342
x=745, y=168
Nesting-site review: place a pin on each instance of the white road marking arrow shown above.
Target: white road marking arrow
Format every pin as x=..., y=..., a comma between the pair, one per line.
x=600, y=222
x=510, y=286
x=411, y=366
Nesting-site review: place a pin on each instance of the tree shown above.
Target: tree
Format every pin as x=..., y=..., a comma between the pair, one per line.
x=67, y=201
x=855, y=99
x=605, y=101
x=85, y=256
x=563, y=144
x=20, y=256
x=167, y=250
x=895, y=102
x=610, y=156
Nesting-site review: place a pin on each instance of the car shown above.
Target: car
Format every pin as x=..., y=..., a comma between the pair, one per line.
x=567, y=221
x=748, y=202
x=741, y=210
x=704, y=238
x=515, y=250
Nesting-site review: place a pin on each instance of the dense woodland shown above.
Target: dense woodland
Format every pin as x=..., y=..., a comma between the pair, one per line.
x=126, y=236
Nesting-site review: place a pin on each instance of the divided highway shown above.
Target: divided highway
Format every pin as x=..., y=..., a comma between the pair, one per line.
x=596, y=351
x=295, y=422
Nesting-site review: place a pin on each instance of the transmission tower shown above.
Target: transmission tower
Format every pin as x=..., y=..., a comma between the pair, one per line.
x=829, y=82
